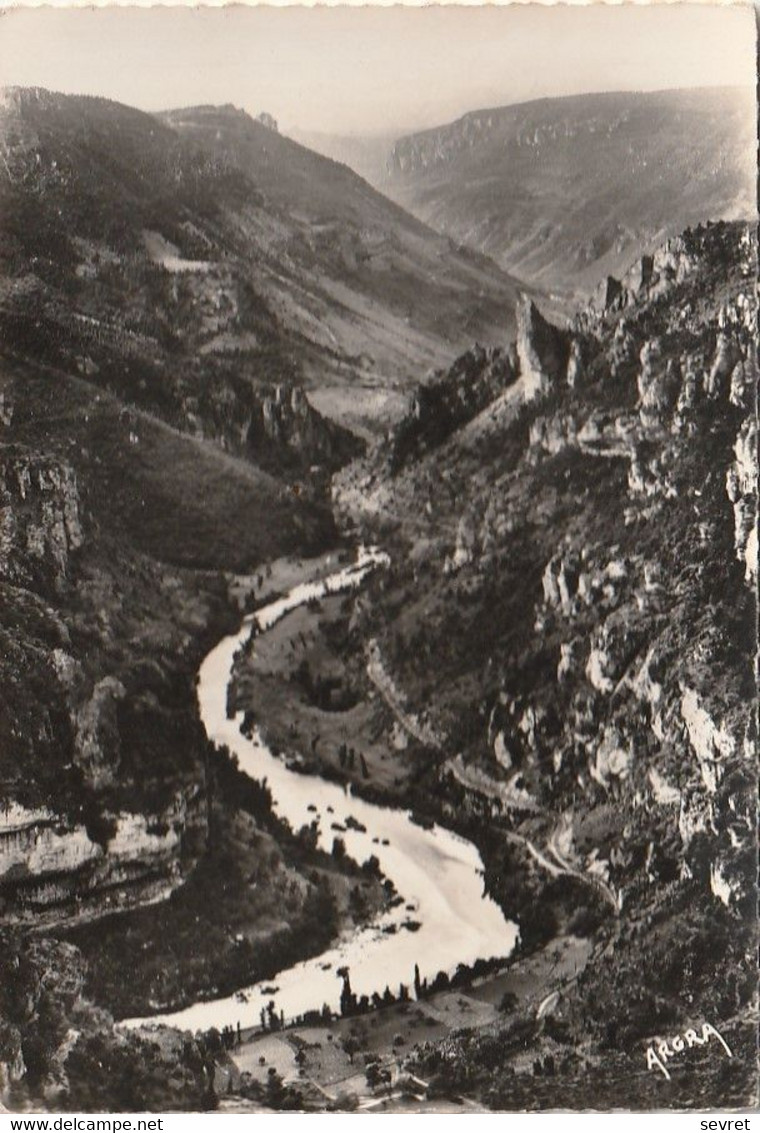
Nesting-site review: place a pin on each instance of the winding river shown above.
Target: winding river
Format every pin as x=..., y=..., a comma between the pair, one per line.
x=438, y=874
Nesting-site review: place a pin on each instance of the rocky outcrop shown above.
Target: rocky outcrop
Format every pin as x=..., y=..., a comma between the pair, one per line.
x=450, y=399
x=575, y=364
x=727, y=356
x=650, y=277
x=711, y=742
x=659, y=384
x=613, y=758
x=611, y=296
x=543, y=351
x=741, y=488
x=53, y=871
x=560, y=581
x=40, y=518
x=638, y=279
x=642, y=439
x=89, y=823
x=97, y=744
x=285, y=424
x=589, y=641
x=553, y=434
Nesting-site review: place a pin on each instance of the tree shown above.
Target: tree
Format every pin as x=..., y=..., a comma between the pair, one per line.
x=372, y=1074
x=271, y=1015
x=372, y=866
x=347, y=997
x=508, y=1001
x=350, y=1045
x=308, y=836
x=274, y=1089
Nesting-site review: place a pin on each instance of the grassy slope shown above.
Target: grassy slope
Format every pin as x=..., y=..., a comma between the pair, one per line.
x=180, y=500
x=360, y=237
x=163, y=515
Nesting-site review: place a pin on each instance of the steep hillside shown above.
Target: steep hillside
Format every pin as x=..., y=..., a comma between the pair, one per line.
x=117, y=536
x=115, y=531
x=572, y=614
x=563, y=191
x=155, y=436
x=193, y=260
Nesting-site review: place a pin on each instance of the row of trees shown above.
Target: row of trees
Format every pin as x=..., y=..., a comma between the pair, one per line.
x=351, y=1004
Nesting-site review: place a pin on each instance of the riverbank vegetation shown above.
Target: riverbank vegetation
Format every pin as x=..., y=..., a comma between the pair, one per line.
x=262, y=898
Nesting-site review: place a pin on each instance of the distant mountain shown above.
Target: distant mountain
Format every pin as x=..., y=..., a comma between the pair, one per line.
x=390, y=294
x=563, y=191
x=366, y=154
x=161, y=252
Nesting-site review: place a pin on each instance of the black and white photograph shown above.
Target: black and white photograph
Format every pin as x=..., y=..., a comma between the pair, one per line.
x=378, y=560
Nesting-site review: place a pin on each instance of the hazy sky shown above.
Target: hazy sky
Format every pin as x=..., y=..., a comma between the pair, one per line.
x=368, y=70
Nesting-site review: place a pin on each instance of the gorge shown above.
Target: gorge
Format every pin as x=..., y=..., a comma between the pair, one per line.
x=367, y=615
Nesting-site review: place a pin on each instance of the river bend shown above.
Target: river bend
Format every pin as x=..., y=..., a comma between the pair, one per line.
x=438, y=873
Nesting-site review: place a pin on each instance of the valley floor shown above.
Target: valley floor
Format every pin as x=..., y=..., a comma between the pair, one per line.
x=328, y=1063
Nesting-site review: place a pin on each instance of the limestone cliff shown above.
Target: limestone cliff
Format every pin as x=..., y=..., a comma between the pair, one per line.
x=577, y=576
x=642, y=167
x=285, y=426
x=75, y=839
x=40, y=521
x=53, y=872
x=542, y=349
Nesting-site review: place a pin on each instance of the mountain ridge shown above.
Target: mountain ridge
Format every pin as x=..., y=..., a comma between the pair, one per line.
x=579, y=96
x=226, y=238
x=560, y=191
